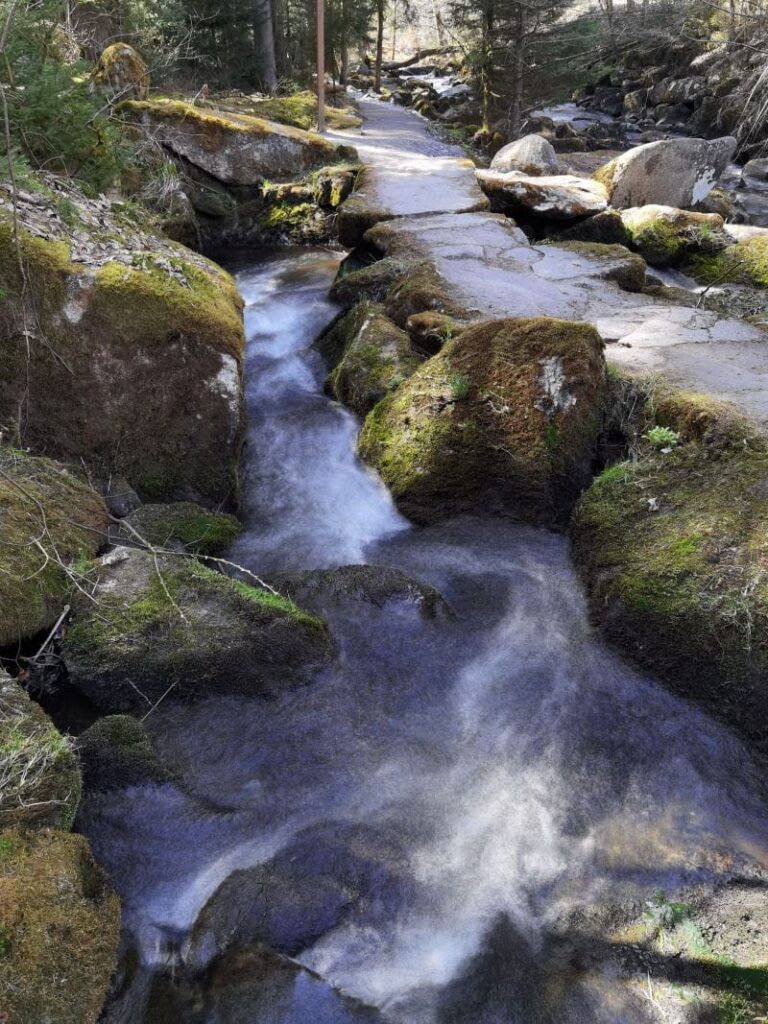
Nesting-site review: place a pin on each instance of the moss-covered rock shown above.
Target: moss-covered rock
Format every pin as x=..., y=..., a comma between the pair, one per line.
x=378, y=585
x=504, y=418
x=332, y=185
x=667, y=237
x=121, y=74
x=237, y=149
x=182, y=522
x=39, y=770
x=611, y=262
x=133, y=360
x=170, y=625
x=369, y=283
x=746, y=262
x=606, y=228
x=59, y=923
x=298, y=110
x=115, y=753
x=49, y=519
x=673, y=548
x=376, y=360
x=430, y=331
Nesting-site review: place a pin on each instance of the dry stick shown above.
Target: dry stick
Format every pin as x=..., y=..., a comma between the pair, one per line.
x=722, y=277
x=52, y=633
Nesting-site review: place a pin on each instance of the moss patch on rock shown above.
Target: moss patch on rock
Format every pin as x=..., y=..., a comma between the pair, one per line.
x=198, y=530
x=49, y=518
x=174, y=626
x=298, y=110
x=38, y=768
x=59, y=923
x=673, y=547
x=134, y=364
x=376, y=359
x=667, y=237
x=744, y=262
x=235, y=148
x=504, y=418
x=116, y=753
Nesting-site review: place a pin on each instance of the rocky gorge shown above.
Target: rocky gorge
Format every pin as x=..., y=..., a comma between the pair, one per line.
x=338, y=766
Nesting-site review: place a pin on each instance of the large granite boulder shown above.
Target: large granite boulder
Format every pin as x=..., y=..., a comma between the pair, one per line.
x=168, y=625
x=129, y=358
x=236, y=149
x=532, y=155
x=671, y=172
x=49, y=519
x=502, y=419
x=560, y=197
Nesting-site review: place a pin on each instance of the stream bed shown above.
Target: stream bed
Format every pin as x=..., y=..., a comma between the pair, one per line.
x=421, y=819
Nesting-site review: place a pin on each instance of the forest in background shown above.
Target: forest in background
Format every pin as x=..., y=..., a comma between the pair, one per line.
x=513, y=54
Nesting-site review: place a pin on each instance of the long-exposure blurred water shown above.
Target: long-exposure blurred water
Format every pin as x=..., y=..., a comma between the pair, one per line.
x=499, y=766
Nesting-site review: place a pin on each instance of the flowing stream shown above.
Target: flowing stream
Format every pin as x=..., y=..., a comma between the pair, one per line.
x=480, y=774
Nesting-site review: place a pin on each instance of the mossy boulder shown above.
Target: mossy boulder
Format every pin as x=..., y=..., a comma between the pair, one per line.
x=236, y=149
x=298, y=110
x=377, y=359
x=40, y=772
x=180, y=523
x=332, y=185
x=667, y=237
x=373, y=282
x=673, y=549
x=59, y=924
x=168, y=624
x=134, y=361
x=49, y=519
x=429, y=331
x=378, y=585
x=115, y=753
x=503, y=419
x=607, y=228
x=744, y=263
x=121, y=74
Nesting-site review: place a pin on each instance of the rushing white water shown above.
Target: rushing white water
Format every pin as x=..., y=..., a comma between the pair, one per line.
x=498, y=769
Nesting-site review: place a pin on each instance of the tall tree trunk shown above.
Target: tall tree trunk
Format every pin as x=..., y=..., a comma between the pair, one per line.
x=394, y=29
x=280, y=37
x=518, y=71
x=264, y=42
x=439, y=26
x=486, y=65
x=344, y=61
x=379, y=45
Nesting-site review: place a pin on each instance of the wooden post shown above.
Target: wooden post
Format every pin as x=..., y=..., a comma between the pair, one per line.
x=320, y=66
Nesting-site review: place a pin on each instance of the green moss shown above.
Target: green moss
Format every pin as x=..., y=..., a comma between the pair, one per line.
x=41, y=773
x=174, y=623
x=149, y=303
x=115, y=753
x=59, y=919
x=745, y=263
x=605, y=174
x=469, y=428
x=674, y=548
x=49, y=518
x=200, y=531
x=377, y=359
x=298, y=110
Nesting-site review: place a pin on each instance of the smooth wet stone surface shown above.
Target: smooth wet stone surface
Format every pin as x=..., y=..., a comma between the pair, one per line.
x=493, y=271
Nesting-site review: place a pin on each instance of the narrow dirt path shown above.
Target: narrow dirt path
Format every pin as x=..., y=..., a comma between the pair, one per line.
x=429, y=193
